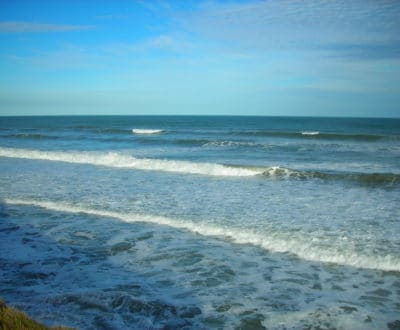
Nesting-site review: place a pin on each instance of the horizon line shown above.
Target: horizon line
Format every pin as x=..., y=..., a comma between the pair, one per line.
x=194, y=115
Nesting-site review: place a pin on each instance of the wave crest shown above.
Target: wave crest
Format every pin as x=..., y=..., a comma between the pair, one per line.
x=113, y=159
x=310, y=133
x=146, y=131
x=370, y=179
x=304, y=248
x=321, y=135
x=119, y=160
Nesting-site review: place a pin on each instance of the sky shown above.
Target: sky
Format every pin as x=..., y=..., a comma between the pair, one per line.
x=268, y=58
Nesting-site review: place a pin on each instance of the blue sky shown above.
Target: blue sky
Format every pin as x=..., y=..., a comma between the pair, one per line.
x=297, y=57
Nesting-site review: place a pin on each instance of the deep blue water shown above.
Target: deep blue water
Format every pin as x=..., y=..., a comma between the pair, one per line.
x=201, y=222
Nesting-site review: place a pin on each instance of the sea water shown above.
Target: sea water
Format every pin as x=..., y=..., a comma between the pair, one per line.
x=174, y=222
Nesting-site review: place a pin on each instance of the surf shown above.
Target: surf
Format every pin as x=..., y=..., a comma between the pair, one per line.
x=118, y=160
x=146, y=131
x=126, y=161
x=310, y=133
x=318, y=135
x=275, y=242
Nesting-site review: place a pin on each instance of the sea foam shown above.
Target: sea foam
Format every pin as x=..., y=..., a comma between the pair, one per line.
x=121, y=160
x=310, y=133
x=146, y=131
x=274, y=241
x=118, y=160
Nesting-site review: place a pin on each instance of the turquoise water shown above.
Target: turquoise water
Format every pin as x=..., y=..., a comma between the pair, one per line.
x=201, y=222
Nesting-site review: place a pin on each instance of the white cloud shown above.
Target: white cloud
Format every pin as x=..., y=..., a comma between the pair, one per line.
x=357, y=27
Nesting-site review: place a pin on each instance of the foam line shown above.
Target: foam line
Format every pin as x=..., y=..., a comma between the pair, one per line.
x=119, y=160
x=274, y=242
x=147, y=131
x=310, y=133
x=113, y=159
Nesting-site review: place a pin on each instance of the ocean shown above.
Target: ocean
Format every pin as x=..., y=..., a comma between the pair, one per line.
x=201, y=222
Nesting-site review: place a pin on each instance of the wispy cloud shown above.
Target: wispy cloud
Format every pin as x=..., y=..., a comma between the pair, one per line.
x=243, y=54
x=359, y=28
x=29, y=27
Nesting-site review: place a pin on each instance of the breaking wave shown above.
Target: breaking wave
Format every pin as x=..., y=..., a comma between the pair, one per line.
x=304, y=248
x=310, y=133
x=119, y=160
x=361, y=178
x=146, y=131
x=321, y=135
x=231, y=144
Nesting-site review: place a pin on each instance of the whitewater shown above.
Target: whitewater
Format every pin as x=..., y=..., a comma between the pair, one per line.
x=201, y=222
x=113, y=159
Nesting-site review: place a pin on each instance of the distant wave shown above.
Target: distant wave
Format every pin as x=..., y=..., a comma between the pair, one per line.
x=119, y=160
x=276, y=242
x=320, y=135
x=147, y=131
x=112, y=130
x=117, y=130
x=100, y=130
x=33, y=136
x=230, y=144
x=310, y=133
x=191, y=142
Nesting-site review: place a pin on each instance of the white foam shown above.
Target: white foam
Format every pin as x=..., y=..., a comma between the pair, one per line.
x=274, y=242
x=310, y=133
x=229, y=144
x=113, y=159
x=147, y=131
x=280, y=172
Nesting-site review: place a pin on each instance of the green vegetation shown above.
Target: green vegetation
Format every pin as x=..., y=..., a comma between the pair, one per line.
x=13, y=319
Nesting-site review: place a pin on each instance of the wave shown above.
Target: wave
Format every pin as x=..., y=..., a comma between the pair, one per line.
x=370, y=179
x=310, y=133
x=320, y=135
x=33, y=136
x=112, y=130
x=99, y=130
x=373, y=179
x=275, y=242
x=116, y=130
x=94, y=129
x=147, y=131
x=191, y=142
x=86, y=130
x=214, y=143
x=118, y=160
x=231, y=144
